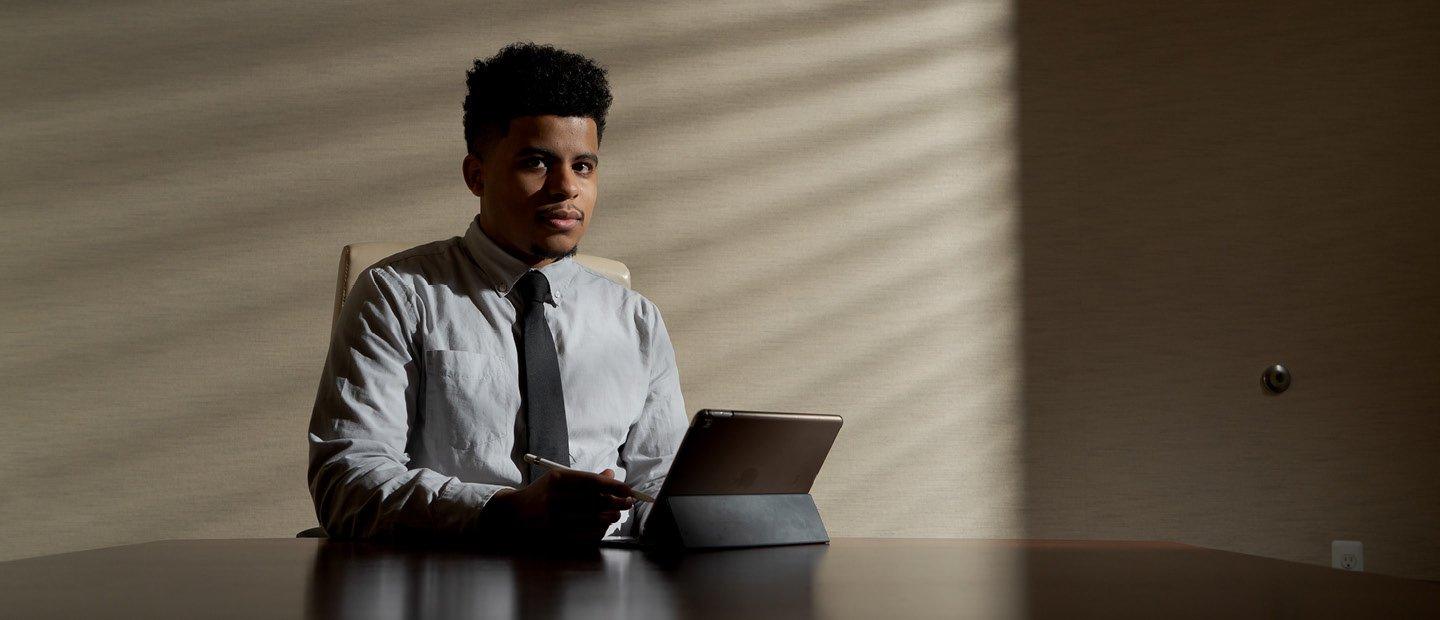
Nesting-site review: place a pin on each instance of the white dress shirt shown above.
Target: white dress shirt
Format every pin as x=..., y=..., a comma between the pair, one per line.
x=419, y=421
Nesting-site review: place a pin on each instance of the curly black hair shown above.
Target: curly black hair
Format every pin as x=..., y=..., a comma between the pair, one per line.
x=526, y=79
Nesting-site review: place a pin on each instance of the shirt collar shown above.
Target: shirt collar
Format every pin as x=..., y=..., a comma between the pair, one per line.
x=504, y=270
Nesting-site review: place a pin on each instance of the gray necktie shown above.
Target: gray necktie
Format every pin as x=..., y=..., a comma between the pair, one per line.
x=549, y=437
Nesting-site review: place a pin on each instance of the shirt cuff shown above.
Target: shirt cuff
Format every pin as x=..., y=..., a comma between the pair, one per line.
x=464, y=501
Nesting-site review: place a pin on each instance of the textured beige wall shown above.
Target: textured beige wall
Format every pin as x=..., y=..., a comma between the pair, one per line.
x=1209, y=188
x=817, y=194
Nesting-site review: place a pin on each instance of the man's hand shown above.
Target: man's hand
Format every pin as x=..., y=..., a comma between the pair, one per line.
x=567, y=507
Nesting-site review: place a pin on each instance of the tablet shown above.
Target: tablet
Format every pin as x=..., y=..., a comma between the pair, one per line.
x=727, y=452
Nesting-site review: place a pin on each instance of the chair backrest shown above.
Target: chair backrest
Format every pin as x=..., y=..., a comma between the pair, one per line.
x=354, y=258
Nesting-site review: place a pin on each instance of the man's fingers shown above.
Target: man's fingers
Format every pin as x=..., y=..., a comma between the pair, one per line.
x=612, y=486
x=603, y=482
x=574, y=492
x=614, y=502
x=582, y=506
x=600, y=502
x=588, y=503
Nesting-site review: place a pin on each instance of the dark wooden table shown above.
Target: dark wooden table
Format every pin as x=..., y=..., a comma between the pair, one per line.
x=860, y=578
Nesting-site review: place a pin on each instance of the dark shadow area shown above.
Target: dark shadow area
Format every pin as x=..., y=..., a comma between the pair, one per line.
x=428, y=581
x=1208, y=189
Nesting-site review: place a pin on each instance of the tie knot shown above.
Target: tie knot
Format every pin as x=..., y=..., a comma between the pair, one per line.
x=533, y=286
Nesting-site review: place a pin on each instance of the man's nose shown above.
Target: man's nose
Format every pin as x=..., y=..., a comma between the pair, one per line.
x=563, y=183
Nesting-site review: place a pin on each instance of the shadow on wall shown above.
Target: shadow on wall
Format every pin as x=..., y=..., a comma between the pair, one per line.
x=1208, y=189
x=184, y=179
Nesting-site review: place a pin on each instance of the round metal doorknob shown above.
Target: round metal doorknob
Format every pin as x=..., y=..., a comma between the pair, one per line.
x=1276, y=378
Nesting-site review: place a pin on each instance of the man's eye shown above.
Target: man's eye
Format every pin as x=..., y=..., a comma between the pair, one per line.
x=584, y=167
x=533, y=162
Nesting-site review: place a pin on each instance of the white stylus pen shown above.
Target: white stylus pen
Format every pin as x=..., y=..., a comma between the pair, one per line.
x=549, y=464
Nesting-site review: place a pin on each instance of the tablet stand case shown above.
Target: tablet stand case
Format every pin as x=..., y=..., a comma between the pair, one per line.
x=724, y=521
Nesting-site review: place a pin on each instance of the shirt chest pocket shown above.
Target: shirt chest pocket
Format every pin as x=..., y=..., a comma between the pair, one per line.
x=469, y=404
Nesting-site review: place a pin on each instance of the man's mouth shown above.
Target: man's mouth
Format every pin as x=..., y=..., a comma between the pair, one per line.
x=561, y=219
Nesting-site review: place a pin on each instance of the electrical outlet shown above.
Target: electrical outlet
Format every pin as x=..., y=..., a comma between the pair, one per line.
x=1347, y=555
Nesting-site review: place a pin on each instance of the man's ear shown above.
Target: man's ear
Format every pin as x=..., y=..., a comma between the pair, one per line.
x=472, y=168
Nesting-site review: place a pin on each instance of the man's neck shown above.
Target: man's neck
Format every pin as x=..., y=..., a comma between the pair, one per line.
x=530, y=260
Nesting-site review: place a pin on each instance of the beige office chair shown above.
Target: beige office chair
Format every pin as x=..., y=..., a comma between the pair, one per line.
x=354, y=258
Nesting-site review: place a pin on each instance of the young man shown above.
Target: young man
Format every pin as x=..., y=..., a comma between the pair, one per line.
x=452, y=360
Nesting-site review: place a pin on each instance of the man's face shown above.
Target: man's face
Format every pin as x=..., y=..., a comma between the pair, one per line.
x=537, y=186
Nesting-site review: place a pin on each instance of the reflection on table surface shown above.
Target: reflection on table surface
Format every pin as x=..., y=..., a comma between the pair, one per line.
x=358, y=579
x=850, y=578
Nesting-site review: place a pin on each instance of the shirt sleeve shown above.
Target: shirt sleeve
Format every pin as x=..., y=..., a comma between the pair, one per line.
x=361, y=422
x=655, y=437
